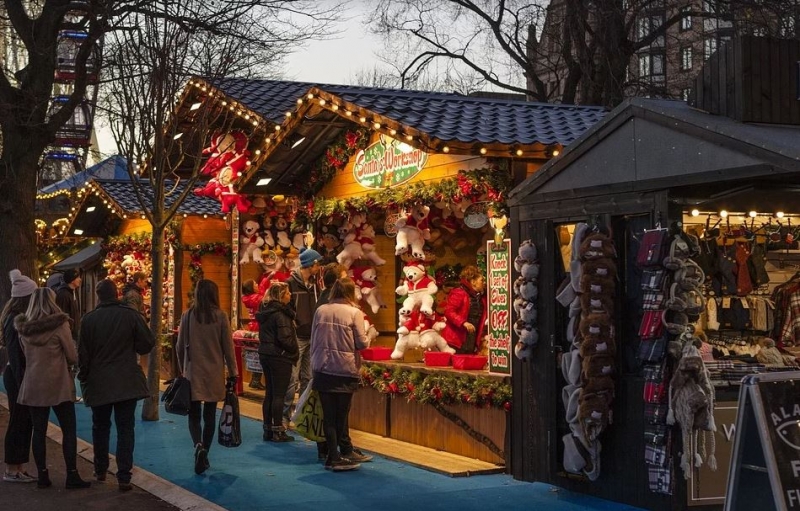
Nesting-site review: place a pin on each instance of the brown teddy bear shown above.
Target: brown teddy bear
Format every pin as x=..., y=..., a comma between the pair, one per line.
x=597, y=365
x=597, y=326
x=600, y=385
x=595, y=345
x=597, y=304
x=594, y=414
x=602, y=267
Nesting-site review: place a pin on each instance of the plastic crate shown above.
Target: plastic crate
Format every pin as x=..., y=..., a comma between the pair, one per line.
x=437, y=358
x=469, y=362
x=377, y=353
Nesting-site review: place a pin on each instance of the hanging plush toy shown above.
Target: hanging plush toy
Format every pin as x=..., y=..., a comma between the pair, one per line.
x=251, y=243
x=366, y=280
x=351, y=247
x=418, y=288
x=365, y=236
x=412, y=230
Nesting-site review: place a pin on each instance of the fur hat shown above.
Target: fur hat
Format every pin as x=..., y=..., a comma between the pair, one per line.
x=675, y=321
x=20, y=284
x=596, y=246
x=597, y=304
x=678, y=254
x=597, y=365
x=596, y=284
x=592, y=345
x=602, y=267
x=600, y=385
x=596, y=326
x=594, y=413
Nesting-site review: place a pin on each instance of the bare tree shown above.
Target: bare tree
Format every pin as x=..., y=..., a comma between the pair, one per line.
x=582, y=55
x=149, y=59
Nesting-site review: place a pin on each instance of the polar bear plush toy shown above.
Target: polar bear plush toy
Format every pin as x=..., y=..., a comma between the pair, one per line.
x=407, y=334
x=413, y=230
x=418, y=288
x=251, y=242
x=351, y=247
x=430, y=339
x=365, y=236
x=366, y=280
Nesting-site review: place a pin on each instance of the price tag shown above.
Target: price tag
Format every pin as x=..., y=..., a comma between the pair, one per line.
x=744, y=303
x=726, y=302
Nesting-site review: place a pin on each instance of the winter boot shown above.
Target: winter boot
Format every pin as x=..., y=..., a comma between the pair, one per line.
x=44, y=479
x=74, y=481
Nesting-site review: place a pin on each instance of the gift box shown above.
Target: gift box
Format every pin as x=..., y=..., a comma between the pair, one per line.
x=377, y=353
x=469, y=362
x=437, y=358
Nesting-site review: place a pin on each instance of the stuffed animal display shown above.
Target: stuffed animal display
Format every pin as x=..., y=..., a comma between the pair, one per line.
x=412, y=231
x=419, y=330
x=418, y=288
x=228, y=157
x=366, y=280
x=251, y=242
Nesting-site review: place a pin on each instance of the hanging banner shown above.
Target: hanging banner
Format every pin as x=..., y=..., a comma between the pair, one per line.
x=498, y=285
x=386, y=163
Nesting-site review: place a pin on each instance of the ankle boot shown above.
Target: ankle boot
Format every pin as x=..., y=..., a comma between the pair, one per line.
x=44, y=479
x=75, y=482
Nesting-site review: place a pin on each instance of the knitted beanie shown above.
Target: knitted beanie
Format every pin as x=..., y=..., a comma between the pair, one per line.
x=20, y=284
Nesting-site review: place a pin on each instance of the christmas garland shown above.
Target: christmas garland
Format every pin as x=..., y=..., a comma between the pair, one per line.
x=335, y=158
x=196, y=252
x=486, y=183
x=437, y=388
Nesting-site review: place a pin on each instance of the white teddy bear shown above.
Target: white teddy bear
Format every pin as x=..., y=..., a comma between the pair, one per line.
x=407, y=334
x=365, y=236
x=366, y=280
x=413, y=230
x=351, y=247
x=430, y=339
x=251, y=242
x=370, y=330
x=418, y=288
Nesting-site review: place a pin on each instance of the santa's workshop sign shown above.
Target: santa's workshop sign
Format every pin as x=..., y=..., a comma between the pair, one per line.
x=387, y=162
x=498, y=285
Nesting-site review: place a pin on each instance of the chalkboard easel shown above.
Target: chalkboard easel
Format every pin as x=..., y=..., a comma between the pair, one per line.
x=766, y=450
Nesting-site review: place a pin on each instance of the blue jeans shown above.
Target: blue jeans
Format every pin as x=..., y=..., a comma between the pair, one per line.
x=124, y=412
x=301, y=375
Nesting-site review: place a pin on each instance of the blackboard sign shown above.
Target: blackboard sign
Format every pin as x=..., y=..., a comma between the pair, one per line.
x=766, y=452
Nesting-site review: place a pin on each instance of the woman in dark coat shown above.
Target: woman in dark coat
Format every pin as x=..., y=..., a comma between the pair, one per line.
x=204, y=348
x=20, y=428
x=278, y=352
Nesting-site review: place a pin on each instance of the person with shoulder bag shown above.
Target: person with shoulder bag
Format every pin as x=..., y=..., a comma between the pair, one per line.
x=204, y=348
x=278, y=352
x=111, y=378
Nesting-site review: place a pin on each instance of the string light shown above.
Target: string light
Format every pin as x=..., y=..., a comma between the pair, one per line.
x=695, y=212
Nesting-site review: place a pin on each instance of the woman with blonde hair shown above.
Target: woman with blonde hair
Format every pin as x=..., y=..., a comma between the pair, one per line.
x=46, y=339
x=278, y=352
x=337, y=334
x=204, y=348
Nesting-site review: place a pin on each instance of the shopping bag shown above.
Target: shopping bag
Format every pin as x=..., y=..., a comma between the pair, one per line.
x=307, y=416
x=178, y=396
x=229, y=433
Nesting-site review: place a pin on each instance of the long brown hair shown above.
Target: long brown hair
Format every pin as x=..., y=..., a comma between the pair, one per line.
x=43, y=303
x=206, y=300
x=12, y=308
x=275, y=291
x=344, y=289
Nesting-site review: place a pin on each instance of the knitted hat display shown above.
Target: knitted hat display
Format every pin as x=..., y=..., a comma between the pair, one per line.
x=20, y=284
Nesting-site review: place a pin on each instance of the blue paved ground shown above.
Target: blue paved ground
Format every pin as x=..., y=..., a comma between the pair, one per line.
x=260, y=475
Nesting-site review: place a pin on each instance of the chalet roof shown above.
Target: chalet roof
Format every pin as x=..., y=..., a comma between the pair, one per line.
x=651, y=144
x=439, y=115
x=124, y=196
x=113, y=167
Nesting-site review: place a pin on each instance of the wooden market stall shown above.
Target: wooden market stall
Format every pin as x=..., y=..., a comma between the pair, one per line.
x=721, y=184
x=329, y=160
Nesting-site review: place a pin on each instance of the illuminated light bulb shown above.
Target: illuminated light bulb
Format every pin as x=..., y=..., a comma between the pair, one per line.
x=409, y=138
x=310, y=96
x=288, y=114
x=277, y=128
x=185, y=215
x=205, y=216
x=299, y=101
x=695, y=212
x=231, y=108
x=348, y=113
x=362, y=119
x=483, y=150
x=753, y=214
x=258, y=151
x=335, y=107
x=392, y=132
x=322, y=102
x=519, y=152
x=446, y=149
x=143, y=217
x=377, y=125
x=723, y=214
x=780, y=214
x=224, y=103
x=556, y=152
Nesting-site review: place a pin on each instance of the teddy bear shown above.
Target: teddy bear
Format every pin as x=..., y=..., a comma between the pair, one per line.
x=407, y=334
x=351, y=247
x=523, y=351
x=251, y=242
x=601, y=364
x=429, y=327
x=370, y=330
x=302, y=239
x=366, y=280
x=413, y=230
x=365, y=236
x=328, y=242
x=418, y=288
x=526, y=332
x=281, y=235
x=594, y=414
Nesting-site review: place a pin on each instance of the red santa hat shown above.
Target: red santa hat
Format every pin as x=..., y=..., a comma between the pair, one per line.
x=417, y=264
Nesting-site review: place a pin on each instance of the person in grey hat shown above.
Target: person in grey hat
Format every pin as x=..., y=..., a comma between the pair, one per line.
x=303, y=286
x=20, y=427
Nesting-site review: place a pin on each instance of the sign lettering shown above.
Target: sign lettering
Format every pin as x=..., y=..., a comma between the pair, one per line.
x=498, y=278
x=387, y=162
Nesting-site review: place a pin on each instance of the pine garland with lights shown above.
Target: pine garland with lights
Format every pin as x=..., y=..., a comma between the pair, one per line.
x=437, y=388
x=335, y=158
x=196, y=253
x=494, y=182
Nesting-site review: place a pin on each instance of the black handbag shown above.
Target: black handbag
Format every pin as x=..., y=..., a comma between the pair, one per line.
x=229, y=433
x=178, y=396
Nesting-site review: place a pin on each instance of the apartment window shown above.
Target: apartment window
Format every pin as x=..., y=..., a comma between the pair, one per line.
x=685, y=93
x=686, y=58
x=686, y=20
x=658, y=68
x=709, y=47
x=644, y=66
x=642, y=28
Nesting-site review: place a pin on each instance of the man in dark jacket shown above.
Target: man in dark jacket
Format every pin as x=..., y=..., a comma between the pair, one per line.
x=111, y=379
x=133, y=292
x=303, y=286
x=66, y=301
